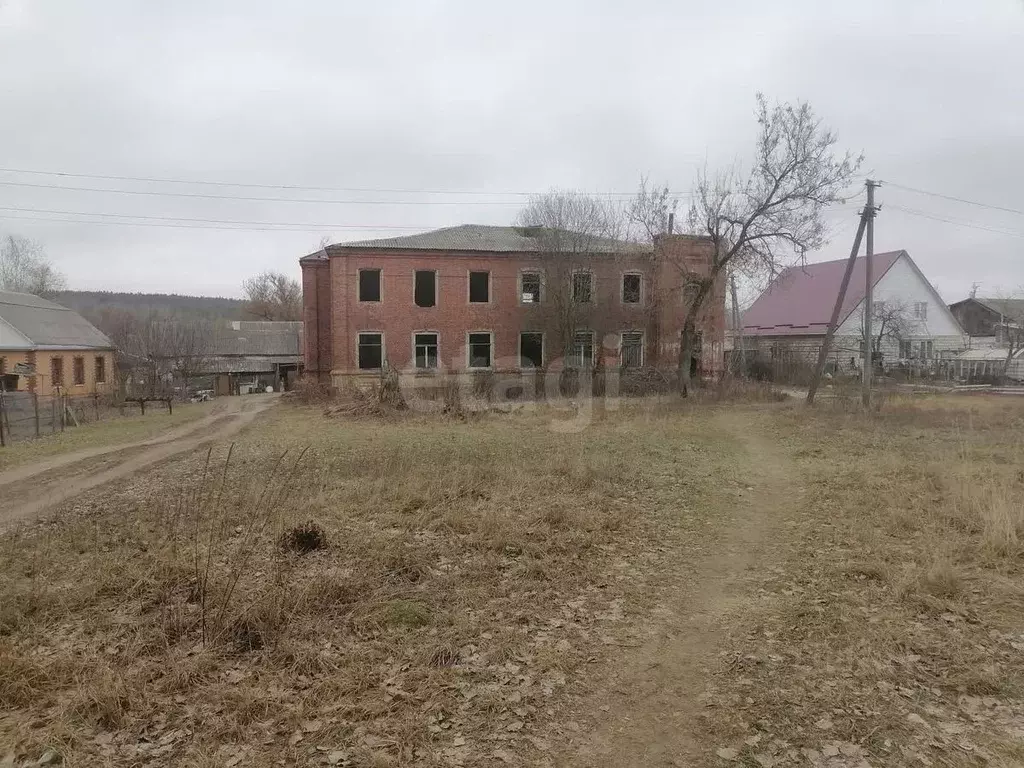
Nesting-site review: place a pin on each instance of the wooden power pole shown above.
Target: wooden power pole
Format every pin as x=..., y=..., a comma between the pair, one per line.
x=869, y=294
x=819, y=370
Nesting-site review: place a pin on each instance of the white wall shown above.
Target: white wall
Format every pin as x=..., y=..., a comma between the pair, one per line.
x=902, y=284
x=11, y=338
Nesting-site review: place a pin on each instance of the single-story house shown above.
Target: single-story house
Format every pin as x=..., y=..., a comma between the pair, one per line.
x=996, y=330
x=252, y=355
x=45, y=348
x=911, y=323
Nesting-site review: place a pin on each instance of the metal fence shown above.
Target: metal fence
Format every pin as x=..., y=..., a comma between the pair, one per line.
x=27, y=415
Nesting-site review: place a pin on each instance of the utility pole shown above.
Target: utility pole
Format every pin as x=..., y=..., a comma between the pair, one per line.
x=869, y=292
x=737, y=327
x=836, y=309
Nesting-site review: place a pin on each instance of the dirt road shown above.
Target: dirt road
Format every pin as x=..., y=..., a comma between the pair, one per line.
x=28, y=490
x=653, y=698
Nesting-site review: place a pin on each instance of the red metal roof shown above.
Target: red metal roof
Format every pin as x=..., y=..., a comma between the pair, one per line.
x=801, y=299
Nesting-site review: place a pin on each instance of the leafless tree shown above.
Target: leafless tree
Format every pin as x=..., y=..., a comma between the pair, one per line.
x=273, y=296
x=890, y=321
x=188, y=346
x=25, y=269
x=650, y=212
x=768, y=216
x=1010, y=330
x=572, y=229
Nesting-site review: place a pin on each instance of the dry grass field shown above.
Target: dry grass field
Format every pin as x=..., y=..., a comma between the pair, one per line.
x=675, y=584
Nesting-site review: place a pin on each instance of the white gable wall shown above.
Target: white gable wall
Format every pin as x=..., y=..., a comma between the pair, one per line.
x=11, y=338
x=903, y=284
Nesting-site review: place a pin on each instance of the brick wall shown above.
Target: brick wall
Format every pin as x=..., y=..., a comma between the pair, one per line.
x=334, y=316
x=44, y=384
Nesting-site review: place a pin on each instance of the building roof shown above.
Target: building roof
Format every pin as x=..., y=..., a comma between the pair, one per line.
x=248, y=364
x=482, y=238
x=800, y=301
x=262, y=338
x=49, y=325
x=1010, y=308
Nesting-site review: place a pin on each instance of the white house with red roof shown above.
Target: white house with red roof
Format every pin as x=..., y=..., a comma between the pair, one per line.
x=911, y=321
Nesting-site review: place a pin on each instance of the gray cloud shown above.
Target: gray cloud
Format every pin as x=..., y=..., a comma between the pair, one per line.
x=477, y=96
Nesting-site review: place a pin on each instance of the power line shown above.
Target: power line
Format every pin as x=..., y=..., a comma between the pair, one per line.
x=955, y=199
x=297, y=187
x=214, y=221
x=955, y=222
x=156, y=193
x=174, y=226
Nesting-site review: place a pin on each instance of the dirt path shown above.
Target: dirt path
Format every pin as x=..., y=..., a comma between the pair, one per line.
x=26, y=491
x=653, y=700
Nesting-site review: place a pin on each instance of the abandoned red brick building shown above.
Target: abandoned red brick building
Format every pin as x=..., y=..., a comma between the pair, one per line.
x=503, y=299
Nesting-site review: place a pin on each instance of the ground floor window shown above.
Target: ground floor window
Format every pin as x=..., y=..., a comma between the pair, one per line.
x=57, y=371
x=906, y=350
x=371, y=351
x=531, y=350
x=582, y=355
x=101, y=369
x=78, y=371
x=480, y=352
x=631, y=349
x=425, y=345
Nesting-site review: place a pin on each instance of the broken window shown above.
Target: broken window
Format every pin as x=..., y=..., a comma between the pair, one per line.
x=101, y=369
x=531, y=350
x=479, y=350
x=78, y=371
x=426, y=350
x=479, y=287
x=583, y=349
x=426, y=288
x=631, y=350
x=371, y=351
x=631, y=288
x=369, y=285
x=582, y=287
x=530, y=292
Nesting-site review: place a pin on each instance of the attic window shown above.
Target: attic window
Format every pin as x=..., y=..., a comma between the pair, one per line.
x=921, y=310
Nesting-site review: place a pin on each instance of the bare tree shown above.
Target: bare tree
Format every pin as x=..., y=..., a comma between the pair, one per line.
x=572, y=229
x=189, y=344
x=890, y=321
x=273, y=296
x=650, y=212
x=768, y=216
x=25, y=269
x=1010, y=330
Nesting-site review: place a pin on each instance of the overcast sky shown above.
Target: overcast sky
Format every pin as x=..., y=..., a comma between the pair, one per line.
x=479, y=97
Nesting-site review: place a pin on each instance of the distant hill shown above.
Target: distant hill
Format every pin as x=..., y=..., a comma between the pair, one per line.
x=95, y=304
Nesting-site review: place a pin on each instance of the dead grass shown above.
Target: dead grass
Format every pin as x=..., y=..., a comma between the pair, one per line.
x=463, y=574
x=891, y=632
x=95, y=434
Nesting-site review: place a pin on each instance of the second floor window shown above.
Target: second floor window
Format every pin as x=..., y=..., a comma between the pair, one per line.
x=425, y=289
x=369, y=285
x=426, y=350
x=582, y=287
x=530, y=288
x=631, y=288
x=479, y=287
